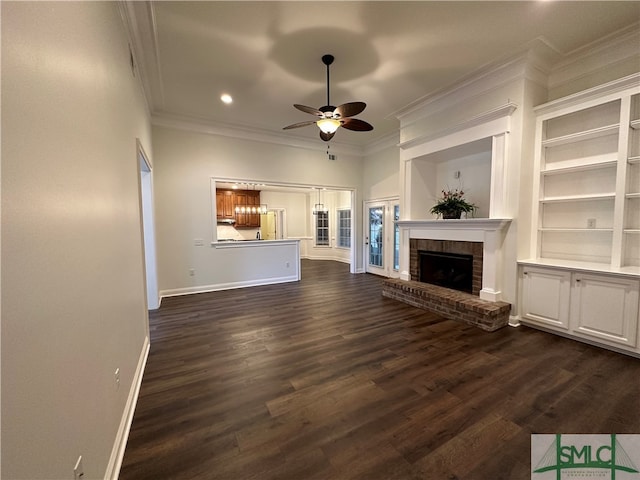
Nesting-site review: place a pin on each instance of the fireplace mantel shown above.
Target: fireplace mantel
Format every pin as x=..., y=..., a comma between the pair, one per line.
x=489, y=231
x=483, y=224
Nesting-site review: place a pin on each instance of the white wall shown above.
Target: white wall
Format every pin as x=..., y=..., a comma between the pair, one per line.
x=73, y=306
x=185, y=162
x=381, y=174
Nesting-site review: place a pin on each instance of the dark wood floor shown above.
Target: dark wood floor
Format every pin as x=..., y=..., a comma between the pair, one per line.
x=326, y=379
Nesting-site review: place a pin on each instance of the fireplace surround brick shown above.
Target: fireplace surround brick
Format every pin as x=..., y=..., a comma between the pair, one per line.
x=451, y=304
x=449, y=246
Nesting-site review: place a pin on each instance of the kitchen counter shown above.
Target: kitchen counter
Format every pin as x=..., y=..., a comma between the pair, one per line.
x=231, y=243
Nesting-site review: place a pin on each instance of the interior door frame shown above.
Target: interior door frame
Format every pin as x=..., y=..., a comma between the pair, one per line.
x=387, y=269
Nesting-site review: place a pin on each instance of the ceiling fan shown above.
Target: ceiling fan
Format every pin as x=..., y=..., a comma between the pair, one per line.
x=330, y=117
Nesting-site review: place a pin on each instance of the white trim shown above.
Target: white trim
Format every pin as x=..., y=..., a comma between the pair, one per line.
x=176, y=292
x=538, y=54
x=244, y=132
x=605, y=52
x=597, y=95
x=333, y=259
x=498, y=113
x=117, y=451
x=389, y=140
x=489, y=231
x=462, y=224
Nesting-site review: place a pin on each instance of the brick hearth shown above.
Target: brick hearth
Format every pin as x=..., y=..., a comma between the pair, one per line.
x=451, y=304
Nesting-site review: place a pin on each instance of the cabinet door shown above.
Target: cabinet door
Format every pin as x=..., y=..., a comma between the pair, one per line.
x=228, y=205
x=219, y=204
x=545, y=297
x=224, y=204
x=253, y=200
x=241, y=218
x=605, y=308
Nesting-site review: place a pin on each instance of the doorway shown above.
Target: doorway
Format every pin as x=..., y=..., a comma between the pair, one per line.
x=148, y=231
x=381, y=243
x=272, y=224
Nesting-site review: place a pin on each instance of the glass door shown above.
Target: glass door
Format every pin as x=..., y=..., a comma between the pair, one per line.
x=375, y=239
x=381, y=246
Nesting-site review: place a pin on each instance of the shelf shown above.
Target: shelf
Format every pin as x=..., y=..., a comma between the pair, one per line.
x=579, y=198
x=635, y=124
x=632, y=231
x=584, y=266
x=633, y=160
x=579, y=168
x=576, y=230
x=582, y=136
x=632, y=195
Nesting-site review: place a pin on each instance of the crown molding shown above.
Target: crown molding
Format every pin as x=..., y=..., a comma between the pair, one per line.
x=497, y=113
x=140, y=25
x=607, y=51
x=591, y=94
x=531, y=61
x=389, y=140
x=249, y=133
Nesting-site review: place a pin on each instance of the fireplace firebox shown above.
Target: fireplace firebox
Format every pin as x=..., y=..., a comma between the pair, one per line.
x=450, y=270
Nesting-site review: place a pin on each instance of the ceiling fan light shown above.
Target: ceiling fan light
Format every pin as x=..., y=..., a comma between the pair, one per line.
x=328, y=125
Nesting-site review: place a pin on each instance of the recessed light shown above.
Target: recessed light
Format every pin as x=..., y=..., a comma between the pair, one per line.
x=226, y=98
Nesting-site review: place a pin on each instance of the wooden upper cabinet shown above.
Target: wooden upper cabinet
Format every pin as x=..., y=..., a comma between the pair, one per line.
x=225, y=204
x=226, y=201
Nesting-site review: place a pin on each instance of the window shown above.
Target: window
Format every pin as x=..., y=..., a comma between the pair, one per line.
x=344, y=228
x=322, y=228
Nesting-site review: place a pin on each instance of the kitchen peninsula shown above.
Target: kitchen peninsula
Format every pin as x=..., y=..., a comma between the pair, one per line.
x=242, y=263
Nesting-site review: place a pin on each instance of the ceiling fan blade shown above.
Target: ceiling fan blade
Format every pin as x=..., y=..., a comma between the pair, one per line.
x=326, y=136
x=350, y=109
x=298, y=125
x=311, y=110
x=357, y=125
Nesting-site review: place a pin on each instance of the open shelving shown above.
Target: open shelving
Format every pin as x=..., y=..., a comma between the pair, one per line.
x=587, y=180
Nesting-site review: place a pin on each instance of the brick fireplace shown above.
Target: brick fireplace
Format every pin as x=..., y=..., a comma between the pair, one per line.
x=473, y=249
x=479, y=238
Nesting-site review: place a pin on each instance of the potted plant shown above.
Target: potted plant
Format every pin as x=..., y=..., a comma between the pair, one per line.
x=452, y=204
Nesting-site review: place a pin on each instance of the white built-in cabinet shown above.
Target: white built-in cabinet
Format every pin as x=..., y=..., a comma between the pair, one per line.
x=586, y=216
x=595, y=307
x=545, y=297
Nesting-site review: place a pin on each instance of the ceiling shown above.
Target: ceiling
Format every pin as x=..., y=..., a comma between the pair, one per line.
x=267, y=55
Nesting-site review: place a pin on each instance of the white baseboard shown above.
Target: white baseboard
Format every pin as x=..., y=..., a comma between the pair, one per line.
x=175, y=292
x=117, y=452
x=331, y=258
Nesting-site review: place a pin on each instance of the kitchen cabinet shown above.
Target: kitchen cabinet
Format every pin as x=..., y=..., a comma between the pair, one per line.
x=593, y=306
x=225, y=205
x=229, y=205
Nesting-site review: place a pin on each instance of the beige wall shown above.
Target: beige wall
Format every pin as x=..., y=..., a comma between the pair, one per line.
x=73, y=307
x=185, y=163
x=381, y=174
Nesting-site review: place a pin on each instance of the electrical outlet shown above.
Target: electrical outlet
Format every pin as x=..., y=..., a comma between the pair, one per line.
x=591, y=223
x=287, y=264
x=116, y=375
x=192, y=272
x=78, y=470
x=456, y=174
x=198, y=242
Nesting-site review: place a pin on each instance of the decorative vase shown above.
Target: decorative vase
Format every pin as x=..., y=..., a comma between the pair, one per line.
x=451, y=214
